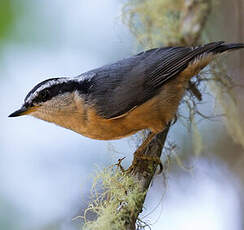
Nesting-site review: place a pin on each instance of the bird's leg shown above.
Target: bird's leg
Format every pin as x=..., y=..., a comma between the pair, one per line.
x=119, y=164
x=195, y=91
x=139, y=153
x=145, y=143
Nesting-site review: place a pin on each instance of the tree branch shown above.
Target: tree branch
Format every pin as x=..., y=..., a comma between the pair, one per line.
x=144, y=171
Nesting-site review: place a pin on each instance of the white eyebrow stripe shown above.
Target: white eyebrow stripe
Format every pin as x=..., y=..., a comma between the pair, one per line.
x=47, y=85
x=50, y=83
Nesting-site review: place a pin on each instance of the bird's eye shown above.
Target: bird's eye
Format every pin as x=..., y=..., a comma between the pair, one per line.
x=44, y=95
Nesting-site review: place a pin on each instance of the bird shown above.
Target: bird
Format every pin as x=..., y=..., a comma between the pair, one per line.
x=117, y=100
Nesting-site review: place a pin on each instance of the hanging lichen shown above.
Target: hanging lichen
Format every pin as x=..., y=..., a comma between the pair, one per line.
x=118, y=194
x=153, y=22
x=165, y=22
x=223, y=89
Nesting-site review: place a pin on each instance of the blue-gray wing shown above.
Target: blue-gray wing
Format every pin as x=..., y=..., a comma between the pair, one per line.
x=117, y=88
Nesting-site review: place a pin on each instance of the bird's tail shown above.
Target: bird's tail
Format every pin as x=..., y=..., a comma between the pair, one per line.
x=227, y=47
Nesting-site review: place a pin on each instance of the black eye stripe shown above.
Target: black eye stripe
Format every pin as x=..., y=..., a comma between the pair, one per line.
x=59, y=89
x=38, y=86
x=44, y=95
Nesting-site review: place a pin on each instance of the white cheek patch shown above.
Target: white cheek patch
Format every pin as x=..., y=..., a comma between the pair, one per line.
x=58, y=104
x=59, y=110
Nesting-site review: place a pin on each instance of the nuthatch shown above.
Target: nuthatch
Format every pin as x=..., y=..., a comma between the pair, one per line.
x=117, y=100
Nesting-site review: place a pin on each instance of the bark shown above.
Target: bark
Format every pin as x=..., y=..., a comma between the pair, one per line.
x=144, y=171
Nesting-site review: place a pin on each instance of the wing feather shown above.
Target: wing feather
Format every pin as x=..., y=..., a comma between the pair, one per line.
x=117, y=88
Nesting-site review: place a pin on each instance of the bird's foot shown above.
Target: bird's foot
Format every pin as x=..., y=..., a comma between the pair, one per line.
x=138, y=157
x=118, y=164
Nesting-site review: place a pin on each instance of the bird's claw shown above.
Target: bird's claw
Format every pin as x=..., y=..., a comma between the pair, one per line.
x=139, y=156
x=118, y=164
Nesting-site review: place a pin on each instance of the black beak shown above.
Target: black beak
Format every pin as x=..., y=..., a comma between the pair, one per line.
x=19, y=112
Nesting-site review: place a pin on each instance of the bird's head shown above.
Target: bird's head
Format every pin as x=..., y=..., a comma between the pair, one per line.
x=50, y=100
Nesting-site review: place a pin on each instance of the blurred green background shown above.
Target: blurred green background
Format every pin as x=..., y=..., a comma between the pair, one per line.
x=46, y=171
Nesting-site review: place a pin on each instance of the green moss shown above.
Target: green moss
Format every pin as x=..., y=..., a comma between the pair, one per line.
x=116, y=203
x=153, y=22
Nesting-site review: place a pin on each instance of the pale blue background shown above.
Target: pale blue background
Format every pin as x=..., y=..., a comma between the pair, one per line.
x=46, y=171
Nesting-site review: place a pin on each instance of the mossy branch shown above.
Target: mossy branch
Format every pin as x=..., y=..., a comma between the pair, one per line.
x=154, y=23
x=143, y=173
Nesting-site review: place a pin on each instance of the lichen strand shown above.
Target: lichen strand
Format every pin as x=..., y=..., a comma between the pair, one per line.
x=165, y=22
x=222, y=87
x=154, y=22
x=191, y=23
x=117, y=202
